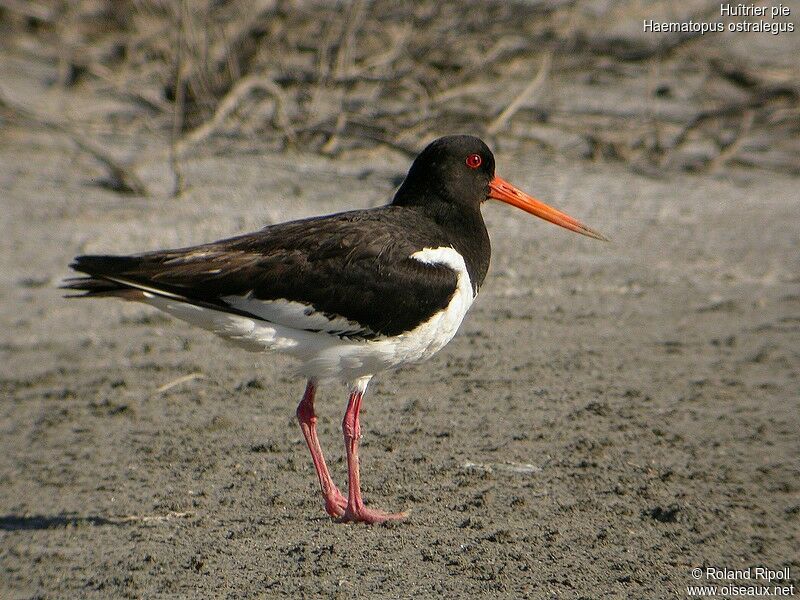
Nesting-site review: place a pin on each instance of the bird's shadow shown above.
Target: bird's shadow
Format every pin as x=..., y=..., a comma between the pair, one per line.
x=40, y=522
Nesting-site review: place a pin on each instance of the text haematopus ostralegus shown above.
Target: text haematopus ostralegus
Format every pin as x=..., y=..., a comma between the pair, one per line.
x=348, y=295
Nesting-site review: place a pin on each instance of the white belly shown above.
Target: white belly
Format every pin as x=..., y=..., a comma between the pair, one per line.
x=324, y=356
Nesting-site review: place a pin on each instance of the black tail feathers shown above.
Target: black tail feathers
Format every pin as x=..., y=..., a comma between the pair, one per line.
x=98, y=268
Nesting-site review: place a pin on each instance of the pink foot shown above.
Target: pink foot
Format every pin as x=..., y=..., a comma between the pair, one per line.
x=335, y=504
x=356, y=512
x=369, y=515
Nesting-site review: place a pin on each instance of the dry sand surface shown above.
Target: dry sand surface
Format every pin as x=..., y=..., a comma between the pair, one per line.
x=609, y=417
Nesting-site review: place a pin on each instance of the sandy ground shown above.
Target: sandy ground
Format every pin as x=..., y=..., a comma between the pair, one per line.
x=609, y=417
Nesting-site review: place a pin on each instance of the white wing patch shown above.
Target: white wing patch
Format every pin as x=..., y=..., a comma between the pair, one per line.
x=286, y=313
x=298, y=315
x=146, y=288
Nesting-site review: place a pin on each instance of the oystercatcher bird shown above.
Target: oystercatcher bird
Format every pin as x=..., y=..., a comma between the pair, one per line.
x=348, y=295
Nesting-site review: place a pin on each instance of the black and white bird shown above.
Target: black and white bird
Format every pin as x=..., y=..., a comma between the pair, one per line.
x=348, y=295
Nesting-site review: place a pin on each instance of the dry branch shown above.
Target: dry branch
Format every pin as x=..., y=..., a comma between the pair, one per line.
x=730, y=151
x=231, y=102
x=527, y=95
x=335, y=76
x=119, y=178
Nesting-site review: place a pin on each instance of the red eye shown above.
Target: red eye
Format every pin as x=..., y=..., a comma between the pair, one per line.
x=474, y=161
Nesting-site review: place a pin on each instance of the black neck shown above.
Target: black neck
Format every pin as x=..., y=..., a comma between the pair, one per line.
x=460, y=227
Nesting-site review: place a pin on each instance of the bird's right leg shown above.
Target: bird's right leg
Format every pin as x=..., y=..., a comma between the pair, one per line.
x=351, y=427
x=335, y=502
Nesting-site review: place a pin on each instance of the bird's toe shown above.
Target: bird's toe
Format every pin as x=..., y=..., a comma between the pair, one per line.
x=372, y=516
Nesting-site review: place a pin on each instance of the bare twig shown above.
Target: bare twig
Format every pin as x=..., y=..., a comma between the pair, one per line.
x=529, y=94
x=344, y=58
x=773, y=81
x=328, y=147
x=731, y=150
x=231, y=102
x=118, y=177
x=30, y=9
x=726, y=110
x=180, y=98
x=179, y=381
x=147, y=99
x=152, y=518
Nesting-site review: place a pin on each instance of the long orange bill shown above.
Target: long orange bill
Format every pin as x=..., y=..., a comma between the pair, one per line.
x=500, y=189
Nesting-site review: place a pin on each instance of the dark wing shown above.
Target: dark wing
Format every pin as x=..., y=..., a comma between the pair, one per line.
x=350, y=274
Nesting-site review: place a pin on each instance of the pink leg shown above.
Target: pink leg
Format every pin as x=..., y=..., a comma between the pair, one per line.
x=335, y=502
x=351, y=426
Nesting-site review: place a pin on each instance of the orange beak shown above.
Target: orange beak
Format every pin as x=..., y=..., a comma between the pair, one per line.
x=500, y=189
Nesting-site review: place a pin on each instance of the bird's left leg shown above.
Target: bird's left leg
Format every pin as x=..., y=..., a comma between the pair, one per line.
x=335, y=502
x=351, y=426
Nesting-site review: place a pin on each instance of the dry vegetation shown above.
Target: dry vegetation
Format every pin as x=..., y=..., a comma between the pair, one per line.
x=333, y=76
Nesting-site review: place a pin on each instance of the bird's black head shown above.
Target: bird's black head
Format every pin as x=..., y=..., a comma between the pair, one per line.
x=457, y=172
x=456, y=169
